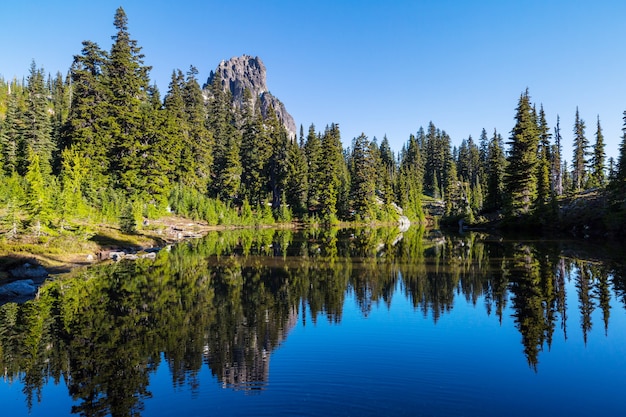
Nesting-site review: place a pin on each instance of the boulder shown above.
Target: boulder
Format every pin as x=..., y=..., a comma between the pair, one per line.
x=404, y=223
x=18, y=288
x=116, y=256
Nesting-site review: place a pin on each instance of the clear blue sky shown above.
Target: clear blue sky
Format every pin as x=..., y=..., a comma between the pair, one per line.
x=378, y=67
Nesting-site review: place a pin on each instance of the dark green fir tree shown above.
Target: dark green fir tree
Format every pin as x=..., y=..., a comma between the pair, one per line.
x=520, y=181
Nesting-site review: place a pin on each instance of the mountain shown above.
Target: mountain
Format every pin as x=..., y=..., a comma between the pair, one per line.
x=246, y=72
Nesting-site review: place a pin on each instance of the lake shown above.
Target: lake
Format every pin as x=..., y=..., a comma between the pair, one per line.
x=348, y=322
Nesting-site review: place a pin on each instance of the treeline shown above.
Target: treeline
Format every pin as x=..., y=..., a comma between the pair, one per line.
x=537, y=179
x=101, y=143
x=525, y=180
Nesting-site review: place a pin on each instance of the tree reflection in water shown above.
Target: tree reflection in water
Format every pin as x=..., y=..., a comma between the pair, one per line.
x=228, y=300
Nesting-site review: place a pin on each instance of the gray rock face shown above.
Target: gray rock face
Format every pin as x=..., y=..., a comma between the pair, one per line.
x=267, y=101
x=246, y=72
x=239, y=73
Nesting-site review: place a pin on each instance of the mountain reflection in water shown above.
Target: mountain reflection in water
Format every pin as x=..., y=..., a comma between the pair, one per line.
x=229, y=300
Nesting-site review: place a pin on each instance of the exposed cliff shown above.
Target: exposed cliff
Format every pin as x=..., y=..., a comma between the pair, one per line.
x=246, y=72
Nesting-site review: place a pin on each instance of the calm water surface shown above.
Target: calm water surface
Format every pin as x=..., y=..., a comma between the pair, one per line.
x=339, y=323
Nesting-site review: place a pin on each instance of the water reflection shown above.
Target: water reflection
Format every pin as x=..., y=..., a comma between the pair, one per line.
x=228, y=300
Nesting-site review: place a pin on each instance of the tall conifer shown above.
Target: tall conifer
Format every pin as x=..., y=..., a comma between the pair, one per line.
x=410, y=180
x=313, y=152
x=127, y=85
x=176, y=126
x=496, y=168
x=619, y=182
x=544, y=159
x=520, y=181
x=278, y=163
x=557, y=176
x=37, y=197
x=201, y=140
x=86, y=129
x=330, y=173
x=579, y=160
x=255, y=154
x=363, y=175
x=297, y=179
x=37, y=130
x=598, y=174
x=11, y=136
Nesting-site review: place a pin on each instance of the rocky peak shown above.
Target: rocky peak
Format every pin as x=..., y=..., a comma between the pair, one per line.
x=239, y=73
x=246, y=72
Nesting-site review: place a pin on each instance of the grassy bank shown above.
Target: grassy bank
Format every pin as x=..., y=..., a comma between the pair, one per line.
x=82, y=245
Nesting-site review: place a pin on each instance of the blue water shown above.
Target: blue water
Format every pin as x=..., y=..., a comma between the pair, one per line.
x=395, y=359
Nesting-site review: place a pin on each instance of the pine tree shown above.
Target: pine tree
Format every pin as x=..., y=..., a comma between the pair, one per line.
x=37, y=196
x=12, y=194
x=464, y=167
x=568, y=183
x=176, y=126
x=255, y=153
x=127, y=220
x=449, y=174
x=598, y=175
x=496, y=168
x=474, y=177
x=579, y=161
x=127, y=85
x=612, y=169
x=60, y=94
x=619, y=183
x=455, y=196
x=297, y=179
x=544, y=161
x=284, y=213
x=363, y=175
x=87, y=130
x=201, y=141
x=387, y=158
x=73, y=174
x=228, y=171
x=343, y=192
x=409, y=184
x=520, y=181
x=387, y=172
x=277, y=164
x=11, y=136
x=227, y=167
x=218, y=117
x=477, y=198
x=156, y=164
x=483, y=144
x=435, y=161
x=557, y=177
x=37, y=129
x=313, y=152
x=10, y=222
x=330, y=173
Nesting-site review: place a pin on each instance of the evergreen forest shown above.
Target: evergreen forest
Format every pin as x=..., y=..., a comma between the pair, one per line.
x=102, y=145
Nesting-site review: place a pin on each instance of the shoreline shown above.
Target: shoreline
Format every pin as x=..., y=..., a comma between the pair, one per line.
x=107, y=241
x=106, y=238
